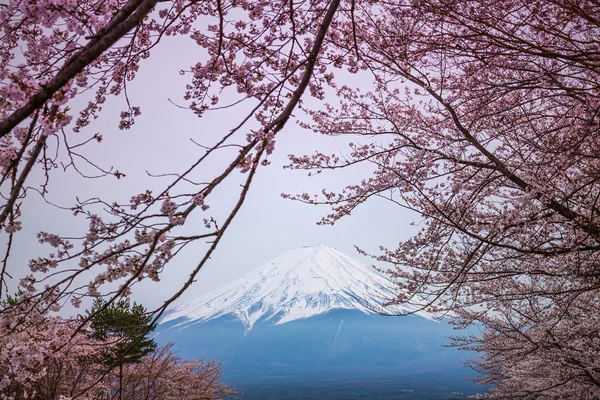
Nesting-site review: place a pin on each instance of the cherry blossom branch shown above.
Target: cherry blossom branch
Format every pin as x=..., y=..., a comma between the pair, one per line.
x=125, y=20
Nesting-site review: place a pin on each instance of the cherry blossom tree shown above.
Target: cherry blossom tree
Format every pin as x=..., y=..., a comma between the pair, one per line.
x=480, y=116
x=76, y=47
x=483, y=119
x=163, y=375
x=55, y=52
x=46, y=357
x=32, y=369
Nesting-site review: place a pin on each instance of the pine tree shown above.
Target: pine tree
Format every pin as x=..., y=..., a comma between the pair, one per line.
x=127, y=327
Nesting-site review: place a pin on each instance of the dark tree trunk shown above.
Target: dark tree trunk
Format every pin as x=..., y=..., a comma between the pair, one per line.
x=121, y=381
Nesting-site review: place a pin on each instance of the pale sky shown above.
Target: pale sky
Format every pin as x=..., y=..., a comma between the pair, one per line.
x=159, y=142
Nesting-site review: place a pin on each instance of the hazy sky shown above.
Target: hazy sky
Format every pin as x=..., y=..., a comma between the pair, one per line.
x=160, y=142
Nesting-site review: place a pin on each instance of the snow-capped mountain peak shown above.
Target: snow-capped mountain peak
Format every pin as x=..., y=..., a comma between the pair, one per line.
x=300, y=283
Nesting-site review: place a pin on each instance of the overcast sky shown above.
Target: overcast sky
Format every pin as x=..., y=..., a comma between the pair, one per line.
x=160, y=142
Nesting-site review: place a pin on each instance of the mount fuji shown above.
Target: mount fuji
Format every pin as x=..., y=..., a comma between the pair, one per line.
x=307, y=325
x=301, y=283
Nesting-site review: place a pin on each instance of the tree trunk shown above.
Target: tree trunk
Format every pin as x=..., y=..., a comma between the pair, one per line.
x=121, y=381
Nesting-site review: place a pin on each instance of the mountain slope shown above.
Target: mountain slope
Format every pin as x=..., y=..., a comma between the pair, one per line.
x=301, y=283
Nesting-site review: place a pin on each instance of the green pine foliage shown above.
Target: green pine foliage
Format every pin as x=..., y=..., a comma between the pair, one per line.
x=124, y=325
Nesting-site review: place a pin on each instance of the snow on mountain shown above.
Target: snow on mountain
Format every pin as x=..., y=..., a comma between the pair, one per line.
x=300, y=283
